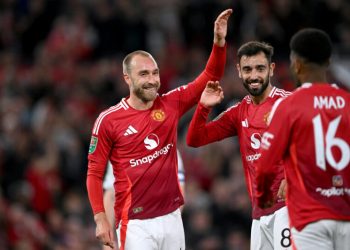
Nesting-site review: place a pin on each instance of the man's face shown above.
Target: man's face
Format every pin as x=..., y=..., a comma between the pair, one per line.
x=143, y=78
x=255, y=72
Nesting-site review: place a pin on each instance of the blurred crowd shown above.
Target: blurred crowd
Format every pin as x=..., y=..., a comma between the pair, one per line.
x=60, y=66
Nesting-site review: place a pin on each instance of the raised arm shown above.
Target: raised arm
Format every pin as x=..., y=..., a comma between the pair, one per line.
x=215, y=66
x=216, y=63
x=200, y=132
x=220, y=28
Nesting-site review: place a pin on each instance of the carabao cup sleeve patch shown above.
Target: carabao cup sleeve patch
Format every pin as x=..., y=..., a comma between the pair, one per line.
x=93, y=144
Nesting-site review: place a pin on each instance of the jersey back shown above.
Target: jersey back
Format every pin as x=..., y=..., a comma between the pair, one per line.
x=318, y=163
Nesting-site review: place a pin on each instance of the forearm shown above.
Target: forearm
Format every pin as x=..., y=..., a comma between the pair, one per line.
x=94, y=187
x=108, y=200
x=197, y=131
x=216, y=63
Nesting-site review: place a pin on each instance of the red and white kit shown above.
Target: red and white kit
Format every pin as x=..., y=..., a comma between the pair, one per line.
x=313, y=126
x=248, y=121
x=141, y=146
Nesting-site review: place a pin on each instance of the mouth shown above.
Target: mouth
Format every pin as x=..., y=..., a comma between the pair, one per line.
x=255, y=84
x=150, y=88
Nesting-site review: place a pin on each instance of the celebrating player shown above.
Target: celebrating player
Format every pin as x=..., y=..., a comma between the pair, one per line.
x=139, y=137
x=309, y=130
x=248, y=121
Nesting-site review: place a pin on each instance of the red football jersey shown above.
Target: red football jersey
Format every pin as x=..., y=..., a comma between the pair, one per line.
x=248, y=121
x=310, y=131
x=141, y=145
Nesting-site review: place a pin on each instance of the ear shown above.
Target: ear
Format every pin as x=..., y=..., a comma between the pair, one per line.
x=298, y=65
x=127, y=79
x=272, y=68
x=239, y=70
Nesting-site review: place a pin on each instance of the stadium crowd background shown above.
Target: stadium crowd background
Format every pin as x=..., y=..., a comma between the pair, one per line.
x=60, y=65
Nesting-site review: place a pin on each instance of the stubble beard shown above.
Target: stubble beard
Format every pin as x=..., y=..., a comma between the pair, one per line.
x=144, y=95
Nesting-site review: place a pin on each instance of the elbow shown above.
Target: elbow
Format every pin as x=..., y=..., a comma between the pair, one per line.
x=192, y=143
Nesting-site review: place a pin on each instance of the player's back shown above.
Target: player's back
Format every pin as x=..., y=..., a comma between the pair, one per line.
x=322, y=118
x=319, y=151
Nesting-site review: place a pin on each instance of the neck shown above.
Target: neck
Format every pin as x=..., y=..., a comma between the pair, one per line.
x=313, y=78
x=139, y=104
x=313, y=74
x=261, y=98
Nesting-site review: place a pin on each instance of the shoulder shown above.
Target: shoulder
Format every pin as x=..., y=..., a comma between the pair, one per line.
x=116, y=109
x=278, y=106
x=279, y=93
x=174, y=91
x=234, y=104
x=112, y=111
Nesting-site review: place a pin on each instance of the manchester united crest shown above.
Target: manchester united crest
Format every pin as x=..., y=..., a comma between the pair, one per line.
x=158, y=115
x=267, y=118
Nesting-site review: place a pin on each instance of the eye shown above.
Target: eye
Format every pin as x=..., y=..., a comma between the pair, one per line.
x=246, y=69
x=261, y=68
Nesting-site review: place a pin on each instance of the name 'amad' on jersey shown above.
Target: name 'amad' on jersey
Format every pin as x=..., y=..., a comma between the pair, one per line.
x=329, y=102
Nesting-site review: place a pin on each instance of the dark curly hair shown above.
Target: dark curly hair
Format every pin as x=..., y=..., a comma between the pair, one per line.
x=313, y=45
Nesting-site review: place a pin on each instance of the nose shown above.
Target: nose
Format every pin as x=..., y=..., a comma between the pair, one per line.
x=254, y=74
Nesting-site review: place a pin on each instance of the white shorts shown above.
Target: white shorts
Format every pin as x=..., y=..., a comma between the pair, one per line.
x=323, y=234
x=271, y=232
x=160, y=233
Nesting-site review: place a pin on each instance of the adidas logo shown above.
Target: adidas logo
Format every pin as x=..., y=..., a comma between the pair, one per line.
x=130, y=131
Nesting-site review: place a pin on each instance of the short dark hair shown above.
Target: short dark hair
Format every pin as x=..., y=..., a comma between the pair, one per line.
x=253, y=48
x=314, y=45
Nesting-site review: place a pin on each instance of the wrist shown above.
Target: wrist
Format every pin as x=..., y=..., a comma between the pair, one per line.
x=100, y=216
x=205, y=106
x=219, y=41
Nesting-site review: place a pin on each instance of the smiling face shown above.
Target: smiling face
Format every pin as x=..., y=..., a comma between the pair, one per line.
x=255, y=72
x=143, y=78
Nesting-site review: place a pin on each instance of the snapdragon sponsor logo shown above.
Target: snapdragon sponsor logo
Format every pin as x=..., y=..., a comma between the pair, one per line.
x=255, y=142
x=253, y=157
x=151, y=141
x=149, y=158
x=333, y=191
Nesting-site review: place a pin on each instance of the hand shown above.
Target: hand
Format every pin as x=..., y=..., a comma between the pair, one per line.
x=220, y=27
x=103, y=230
x=265, y=200
x=281, y=194
x=212, y=94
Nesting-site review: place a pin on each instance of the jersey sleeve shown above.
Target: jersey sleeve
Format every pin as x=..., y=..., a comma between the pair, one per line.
x=274, y=143
x=99, y=149
x=188, y=95
x=201, y=133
